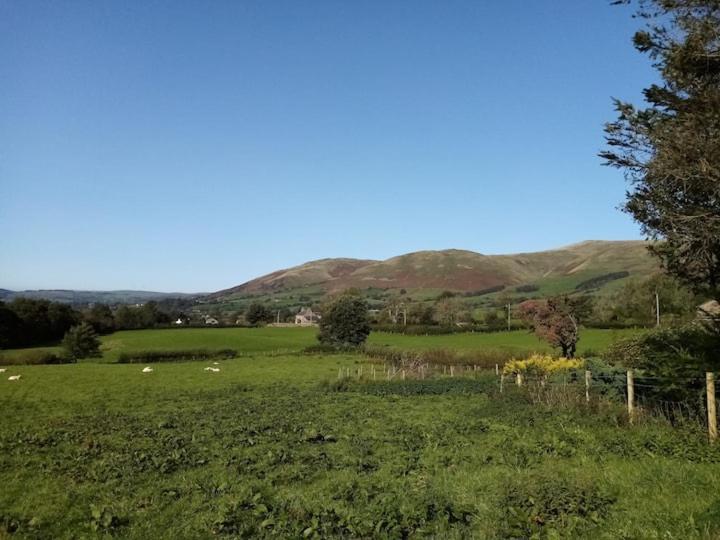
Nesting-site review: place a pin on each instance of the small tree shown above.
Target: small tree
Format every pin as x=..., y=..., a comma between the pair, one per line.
x=101, y=318
x=344, y=322
x=257, y=313
x=556, y=320
x=81, y=341
x=493, y=321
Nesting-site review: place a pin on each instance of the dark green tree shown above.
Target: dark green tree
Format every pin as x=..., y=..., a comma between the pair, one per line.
x=258, y=313
x=493, y=321
x=10, y=327
x=344, y=321
x=127, y=318
x=101, y=318
x=669, y=148
x=81, y=341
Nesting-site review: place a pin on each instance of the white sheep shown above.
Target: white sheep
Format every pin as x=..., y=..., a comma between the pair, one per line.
x=147, y=369
x=213, y=369
x=14, y=377
x=3, y=370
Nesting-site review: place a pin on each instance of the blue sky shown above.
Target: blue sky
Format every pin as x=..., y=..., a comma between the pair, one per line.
x=191, y=146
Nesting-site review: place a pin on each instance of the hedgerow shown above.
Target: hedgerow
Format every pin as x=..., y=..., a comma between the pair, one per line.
x=143, y=357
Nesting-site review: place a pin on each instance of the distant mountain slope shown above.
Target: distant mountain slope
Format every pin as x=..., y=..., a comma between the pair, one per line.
x=90, y=297
x=321, y=271
x=457, y=270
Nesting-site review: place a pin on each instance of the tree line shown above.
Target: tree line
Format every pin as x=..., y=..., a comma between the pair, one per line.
x=26, y=322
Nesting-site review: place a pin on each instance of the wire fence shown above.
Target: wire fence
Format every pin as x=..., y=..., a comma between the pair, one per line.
x=678, y=397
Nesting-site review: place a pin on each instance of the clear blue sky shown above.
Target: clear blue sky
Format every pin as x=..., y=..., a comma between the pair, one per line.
x=191, y=146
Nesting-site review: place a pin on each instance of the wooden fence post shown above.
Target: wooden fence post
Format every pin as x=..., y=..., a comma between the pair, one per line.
x=711, y=406
x=403, y=374
x=497, y=370
x=518, y=379
x=339, y=373
x=587, y=386
x=452, y=371
x=502, y=380
x=631, y=395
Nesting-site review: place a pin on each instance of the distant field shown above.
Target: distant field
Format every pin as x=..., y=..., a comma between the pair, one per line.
x=590, y=339
x=286, y=340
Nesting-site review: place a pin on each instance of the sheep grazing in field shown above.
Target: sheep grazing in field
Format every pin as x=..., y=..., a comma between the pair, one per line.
x=14, y=377
x=213, y=369
x=3, y=370
x=216, y=363
x=147, y=369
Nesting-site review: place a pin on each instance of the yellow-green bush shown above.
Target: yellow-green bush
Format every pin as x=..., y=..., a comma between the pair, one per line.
x=542, y=365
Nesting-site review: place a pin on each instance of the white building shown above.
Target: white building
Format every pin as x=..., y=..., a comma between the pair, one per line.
x=306, y=317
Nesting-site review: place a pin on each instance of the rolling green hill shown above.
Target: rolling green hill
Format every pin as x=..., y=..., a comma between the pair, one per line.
x=590, y=266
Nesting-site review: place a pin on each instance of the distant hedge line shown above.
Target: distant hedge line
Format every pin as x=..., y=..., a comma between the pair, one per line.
x=33, y=358
x=433, y=330
x=144, y=357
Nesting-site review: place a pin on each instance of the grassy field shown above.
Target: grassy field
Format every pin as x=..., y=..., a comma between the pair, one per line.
x=590, y=340
x=274, y=447
x=262, y=340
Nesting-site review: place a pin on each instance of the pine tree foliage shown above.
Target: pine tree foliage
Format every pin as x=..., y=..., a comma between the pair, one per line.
x=669, y=149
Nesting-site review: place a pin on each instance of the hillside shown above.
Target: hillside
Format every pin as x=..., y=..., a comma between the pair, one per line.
x=562, y=269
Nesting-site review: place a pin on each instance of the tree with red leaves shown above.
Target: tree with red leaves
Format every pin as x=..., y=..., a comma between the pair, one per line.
x=556, y=320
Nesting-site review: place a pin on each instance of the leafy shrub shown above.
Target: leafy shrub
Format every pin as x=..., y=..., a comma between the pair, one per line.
x=542, y=365
x=81, y=341
x=143, y=357
x=670, y=364
x=31, y=358
x=344, y=322
x=689, y=348
x=546, y=505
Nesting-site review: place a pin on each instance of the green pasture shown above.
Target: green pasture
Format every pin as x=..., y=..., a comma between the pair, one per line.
x=275, y=446
x=287, y=340
x=591, y=339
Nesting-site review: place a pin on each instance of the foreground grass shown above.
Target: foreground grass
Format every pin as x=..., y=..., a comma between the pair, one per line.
x=266, y=448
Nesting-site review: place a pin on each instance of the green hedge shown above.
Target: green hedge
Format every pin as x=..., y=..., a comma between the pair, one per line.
x=33, y=358
x=144, y=357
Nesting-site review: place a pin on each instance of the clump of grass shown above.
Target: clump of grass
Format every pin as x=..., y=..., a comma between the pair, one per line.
x=540, y=505
x=143, y=357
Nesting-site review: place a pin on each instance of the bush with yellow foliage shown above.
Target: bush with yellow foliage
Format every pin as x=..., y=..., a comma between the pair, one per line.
x=542, y=365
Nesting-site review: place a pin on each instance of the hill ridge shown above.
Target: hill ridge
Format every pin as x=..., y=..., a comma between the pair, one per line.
x=455, y=269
